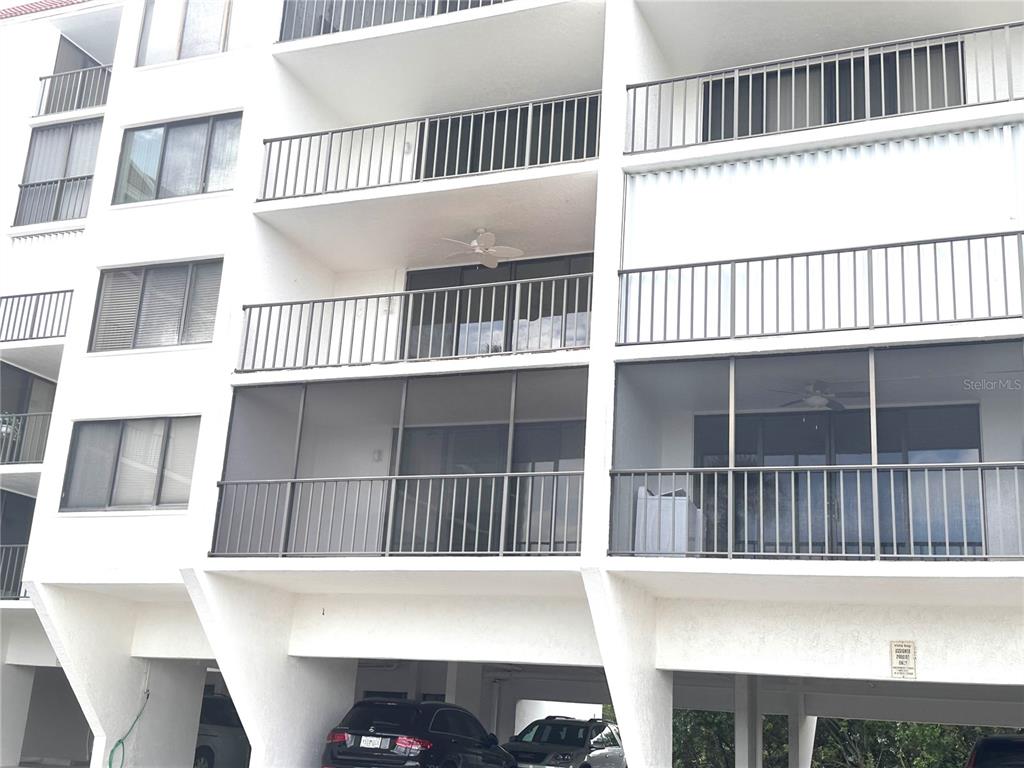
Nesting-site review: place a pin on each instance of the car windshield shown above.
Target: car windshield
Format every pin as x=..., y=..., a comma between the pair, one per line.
x=382, y=717
x=1000, y=754
x=563, y=734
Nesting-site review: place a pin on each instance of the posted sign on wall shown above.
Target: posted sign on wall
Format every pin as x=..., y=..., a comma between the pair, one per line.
x=903, y=659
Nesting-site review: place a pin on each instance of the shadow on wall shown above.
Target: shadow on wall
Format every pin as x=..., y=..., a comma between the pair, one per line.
x=56, y=728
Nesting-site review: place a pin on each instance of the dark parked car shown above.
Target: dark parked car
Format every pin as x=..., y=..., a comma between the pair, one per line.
x=379, y=733
x=568, y=743
x=1006, y=751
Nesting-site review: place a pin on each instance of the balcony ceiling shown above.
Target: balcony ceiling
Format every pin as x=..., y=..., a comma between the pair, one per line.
x=41, y=360
x=696, y=36
x=524, y=50
x=25, y=483
x=550, y=211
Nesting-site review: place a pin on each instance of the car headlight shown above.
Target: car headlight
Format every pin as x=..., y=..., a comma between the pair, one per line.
x=561, y=758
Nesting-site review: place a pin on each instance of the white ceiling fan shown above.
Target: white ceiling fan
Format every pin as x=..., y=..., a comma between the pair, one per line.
x=819, y=394
x=482, y=248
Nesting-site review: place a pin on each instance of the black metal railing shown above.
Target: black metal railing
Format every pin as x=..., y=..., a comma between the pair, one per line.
x=516, y=316
x=975, y=66
x=309, y=18
x=524, y=135
x=928, y=281
x=78, y=89
x=487, y=514
x=885, y=511
x=23, y=437
x=12, y=564
x=53, y=200
x=34, y=315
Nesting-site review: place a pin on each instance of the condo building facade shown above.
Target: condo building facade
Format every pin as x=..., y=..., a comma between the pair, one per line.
x=633, y=352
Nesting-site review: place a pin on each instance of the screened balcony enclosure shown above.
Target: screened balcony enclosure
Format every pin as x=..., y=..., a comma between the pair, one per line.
x=472, y=464
x=808, y=464
x=527, y=305
x=26, y=401
x=16, y=512
x=976, y=66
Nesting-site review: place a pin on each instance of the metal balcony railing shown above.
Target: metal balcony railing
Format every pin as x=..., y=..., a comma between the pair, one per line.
x=78, y=89
x=309, y=18
x=928, y=281
x=487, y=514
x=23, y=437
x=53, y=200
x=976, y=66
x=516, y=316
x=901, y=511
x=34, y=315
x=12, y=563
x=501, y=138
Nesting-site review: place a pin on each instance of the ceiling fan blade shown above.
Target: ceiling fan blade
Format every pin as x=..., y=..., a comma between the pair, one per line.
x=849, y=394
x=485, y=239
x=489, y=259
x=784, y=391
x=463, y=256
x=505, y=252
x=791, y=403
x=835, y=405
x=458, y=242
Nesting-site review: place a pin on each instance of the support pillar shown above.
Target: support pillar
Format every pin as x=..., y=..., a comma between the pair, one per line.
x=749, y=728
x=91, y=634
x=463, y=685
x=15, y=695
x=287, y=704
x=802, y=728
x=624, y=622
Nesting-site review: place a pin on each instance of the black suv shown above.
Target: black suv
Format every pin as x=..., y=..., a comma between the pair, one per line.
x=1005, y=751
x=381, y=733
x=568, y=743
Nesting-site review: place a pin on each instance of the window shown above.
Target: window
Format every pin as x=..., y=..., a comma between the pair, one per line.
x=131, y=463
x=58, y=173
x=804, y=94
x=183, y=158
x=156, y=306
x=180, y=29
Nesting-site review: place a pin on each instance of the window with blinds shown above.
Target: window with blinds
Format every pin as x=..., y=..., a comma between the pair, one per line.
x=57, y=182
x=156, y=306
x=130, y=463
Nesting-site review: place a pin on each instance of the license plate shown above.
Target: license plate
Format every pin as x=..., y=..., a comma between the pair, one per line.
x=370, y=742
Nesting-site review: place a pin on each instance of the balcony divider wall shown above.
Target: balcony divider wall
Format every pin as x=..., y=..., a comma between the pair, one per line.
x=473, y=464
x=975, y=66
x=897, y=453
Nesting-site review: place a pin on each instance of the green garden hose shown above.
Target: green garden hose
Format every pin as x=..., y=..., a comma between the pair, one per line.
x=119, y=744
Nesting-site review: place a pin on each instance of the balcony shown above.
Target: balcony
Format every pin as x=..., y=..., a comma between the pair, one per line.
x=302, y=19
x=976, y=66
x=900, y=453
x=23, y=437
x=77, y=89
x=533, y=315
x=934, y=281
x=516, y=136
x=31, y=316
x=12, y=563
x=480, y=464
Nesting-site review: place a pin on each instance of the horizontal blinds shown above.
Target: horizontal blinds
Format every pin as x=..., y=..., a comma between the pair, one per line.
x=93, y=453
x=163, y=302
x=178, y=461
x=120, y=292
x=139, y=462
x=202, y=303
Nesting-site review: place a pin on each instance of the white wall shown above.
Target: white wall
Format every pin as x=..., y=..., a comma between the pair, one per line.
x=877, y=193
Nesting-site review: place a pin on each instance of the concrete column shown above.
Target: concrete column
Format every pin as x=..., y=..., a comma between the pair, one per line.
x=15, y=695
x=749, y=729
x=624, y=621
x=287, y=704
x=463, y=685
x=802, y=728
x=92, y=634
x=414, y=684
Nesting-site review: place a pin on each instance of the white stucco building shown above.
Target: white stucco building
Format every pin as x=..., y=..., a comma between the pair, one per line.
x=743, y=408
